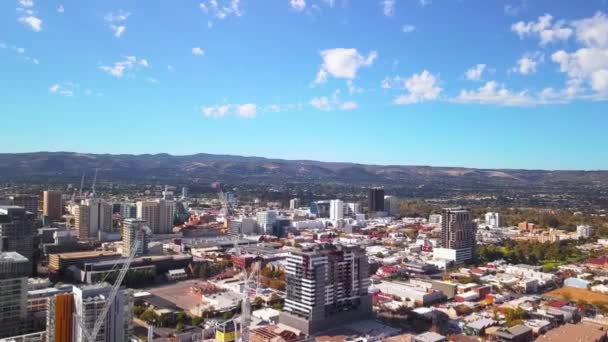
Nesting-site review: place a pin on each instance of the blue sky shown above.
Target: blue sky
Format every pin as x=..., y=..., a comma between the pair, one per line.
x=497, y=84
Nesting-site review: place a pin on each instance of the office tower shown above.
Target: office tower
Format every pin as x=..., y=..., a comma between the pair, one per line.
x=166, y=214
x=375, y=200
x=493, y=220
x=128, y=210
x=60, y=318
x=89, y=301
x=266, y=220
x=158, y=214
x=583, y=231
x=52, y=205
x=29, y=202
x=91, y=217
x=326, y=286
x=353, y=209
x=14, y=269
x=294, y=203
x=280, y=226
x=17, y=232
x=458, y=238
x=131, y=229
x=336, y=210
x=320, y=209
x=242, y=226
x=391, y=205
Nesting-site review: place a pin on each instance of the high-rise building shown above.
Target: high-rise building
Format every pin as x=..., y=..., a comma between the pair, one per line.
x=493, y=220
x=266, y=220
x=89, y=301
x=458, y=235
x=242, y=226
x=29, y=202
x=131, y=230
x=294, y=203
x=375, y=200
x=158, y=214
x=583, y=231
x=60, y=318
x=52, y=206
x=391, y=205
x=326, y=286
x=320, y=209
x=184, y=192
x=14, y=269
x=336, y=210
x=166, y=214
x=352, y=209
x=91, y=217
x=17, y=232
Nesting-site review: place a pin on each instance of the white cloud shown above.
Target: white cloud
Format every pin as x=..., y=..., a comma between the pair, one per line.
x=421, y=87
x=343, y=63
x=197, y=51
x=60, y=9
x=388, y=7
x=408, y=28
x=589, y=64
x=547, y=31
x=216, y=111
x=118, y=30
x=494, y=94
x=593, y=32
x=170, y=67
x=321, y=103
x=298, y=5
x=130, y=63
x=152, y=80
x=528, y=63
x=221, y=9
x=424, y=3
x=118, y=16
x=329, y=3
x=32, y=21
x=117, y=22
x=325, y=103
x=64, y=89
x=26, y=3
x=349, y=105
x=475, y=73
x=247, y=110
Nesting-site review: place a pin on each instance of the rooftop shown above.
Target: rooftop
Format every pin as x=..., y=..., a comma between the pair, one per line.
x=87, y=254
x=574, y=332
x=12, y=256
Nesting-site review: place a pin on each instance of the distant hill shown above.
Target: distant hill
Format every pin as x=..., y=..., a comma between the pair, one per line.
x=68, y=166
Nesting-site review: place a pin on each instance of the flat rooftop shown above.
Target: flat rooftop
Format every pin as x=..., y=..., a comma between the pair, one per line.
x=574, y=332
x=12, y=256
x=86, y=254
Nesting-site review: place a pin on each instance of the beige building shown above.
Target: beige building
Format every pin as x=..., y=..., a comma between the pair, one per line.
x=52, y=204
x=91, y=217
x=158, y=214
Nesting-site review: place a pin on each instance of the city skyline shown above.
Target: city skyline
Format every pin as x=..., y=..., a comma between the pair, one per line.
x=510, y=84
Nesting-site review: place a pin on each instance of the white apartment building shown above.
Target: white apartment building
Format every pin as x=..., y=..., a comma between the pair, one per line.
x=336, y=210
x=583, y=231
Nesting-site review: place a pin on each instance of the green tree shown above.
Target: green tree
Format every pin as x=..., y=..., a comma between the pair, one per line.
x=179, y=327
x=197, y=320
x=149, y=316
x=227, y=315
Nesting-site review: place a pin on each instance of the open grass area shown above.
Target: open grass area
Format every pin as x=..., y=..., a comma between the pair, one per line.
x=576, y=294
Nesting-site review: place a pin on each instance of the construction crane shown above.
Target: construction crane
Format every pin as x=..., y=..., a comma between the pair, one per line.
x=94, y=182
x=245, y=317
x=73, y=200
x=92, y=335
